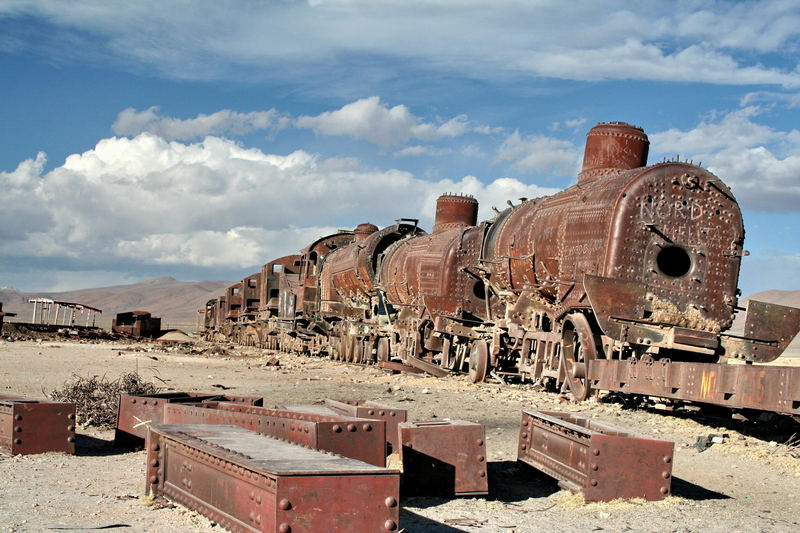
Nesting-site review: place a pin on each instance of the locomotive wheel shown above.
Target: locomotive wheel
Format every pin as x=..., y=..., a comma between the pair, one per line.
x=577, y=349
x=478, y=361
x=384, y=349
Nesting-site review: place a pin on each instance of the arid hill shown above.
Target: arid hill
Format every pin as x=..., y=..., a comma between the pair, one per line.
x=176, y=302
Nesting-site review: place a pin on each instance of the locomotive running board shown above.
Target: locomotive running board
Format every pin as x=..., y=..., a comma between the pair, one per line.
x=247, y=482
x=740, y=386
x=600, y=460
x=357, y=438
x=36, y=426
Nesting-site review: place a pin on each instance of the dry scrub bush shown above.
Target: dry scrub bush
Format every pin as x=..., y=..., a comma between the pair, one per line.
x=96, y=398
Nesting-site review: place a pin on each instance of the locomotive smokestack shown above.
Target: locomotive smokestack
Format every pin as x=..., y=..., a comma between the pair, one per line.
x=613, y=146
x=364, y=230
x=453, y=210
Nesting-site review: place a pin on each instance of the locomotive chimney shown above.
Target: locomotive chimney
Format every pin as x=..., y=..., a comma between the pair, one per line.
x=364, y=230
x=454, y=210
x=613, y=146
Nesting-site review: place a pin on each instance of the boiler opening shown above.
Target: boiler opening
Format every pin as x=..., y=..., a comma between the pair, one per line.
x=674, y=261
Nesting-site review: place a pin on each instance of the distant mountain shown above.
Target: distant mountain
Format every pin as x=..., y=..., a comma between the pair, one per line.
x=176, y=302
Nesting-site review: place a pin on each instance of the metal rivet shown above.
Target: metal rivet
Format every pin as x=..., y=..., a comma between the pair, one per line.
x=153, y=479
x=366, y=427
x=481, y=458
x=594, y=483
x=667, y=459
x=18, y=429
x=524, y=446
x=351, y=427
x=144, y=402
x=389, y=525
x=526, y=423
x=70, y=439
x=258, y=499
x=664, y=490
x=17, y=441
x=390, y=502
x=285, y=528
x=483, y=474
x=524, y=435
x=595, y=467
x=133, y=400
x=70, y=428
x=479, y=442
x=665, y=475
x=596, y=452
x=154, y=463
x=285, y=504
x=337, y=428
x=18, y=417
x=371, y=412
x=156, y=447
x=71, y=416
x=382, y=413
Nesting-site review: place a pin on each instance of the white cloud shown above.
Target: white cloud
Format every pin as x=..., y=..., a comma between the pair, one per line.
x=701, y=41
x=209, y=204
x=371, y=120
x=759, y=163
x=539, y=153
x=417, y=150
x=133, y=122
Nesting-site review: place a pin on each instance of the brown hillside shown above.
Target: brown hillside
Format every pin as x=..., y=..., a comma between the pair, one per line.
x=176, y=302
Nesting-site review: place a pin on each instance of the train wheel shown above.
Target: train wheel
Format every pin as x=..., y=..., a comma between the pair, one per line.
x=577, y=349
x=384, y=349
x=478, y=361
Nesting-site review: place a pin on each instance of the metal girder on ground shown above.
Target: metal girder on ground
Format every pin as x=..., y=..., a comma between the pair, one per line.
x=357, y=438
x=741, y=386
x=444, y=458
x=391, y=415
x=136, y=411
x=600, y=460
x=36, y=426
x=247, y=482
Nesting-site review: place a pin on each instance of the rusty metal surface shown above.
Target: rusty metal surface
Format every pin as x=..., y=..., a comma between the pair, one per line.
x=357, y=438
x=136, y=324
x=136, y=411
x=769, y=388
x=445, y=458
x=602, y=461
x=29, y=426
x=378, y=411
x=247, y=482
x=455, y=210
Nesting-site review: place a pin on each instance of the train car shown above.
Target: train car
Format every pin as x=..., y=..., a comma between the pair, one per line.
x=633, y=264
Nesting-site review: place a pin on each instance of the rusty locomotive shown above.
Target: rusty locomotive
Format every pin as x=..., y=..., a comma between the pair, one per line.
x=625, y=281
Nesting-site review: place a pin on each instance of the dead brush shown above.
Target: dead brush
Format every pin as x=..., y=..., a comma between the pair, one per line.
x=96, y=398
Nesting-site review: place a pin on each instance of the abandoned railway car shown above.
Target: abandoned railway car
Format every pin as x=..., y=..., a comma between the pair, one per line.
x=626, y=280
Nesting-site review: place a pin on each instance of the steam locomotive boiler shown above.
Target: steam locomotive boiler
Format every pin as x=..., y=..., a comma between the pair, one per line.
x=633, y=264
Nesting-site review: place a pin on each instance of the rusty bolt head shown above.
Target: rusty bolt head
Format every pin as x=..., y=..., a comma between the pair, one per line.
x=351, y=427
x=382, y=413
x=526, y=423
x=337, y=428
x=596, y=452
x=665, y=475
x=155, y=447
x=285, y=528
x=482, y=474
x=389, y=525
x=367, y=427
x=667, y=459
x=481, y=458
x=17, y=417
x=17, y=441
x=70, y=428
x=18, y=429
x=479, y=442
x=390, y=502
x=144, y=402
x=371, y=412
x=71, y=416
x=285, y=504
x=133, y=400
x=664, y=490
x=524, y=446
x=154, y=463
x=595, y=467
x=594, y=483
x=153, y=479
x=524, y=435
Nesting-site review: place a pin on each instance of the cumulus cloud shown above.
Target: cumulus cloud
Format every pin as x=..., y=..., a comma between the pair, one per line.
x=539, y=153
x=418, y=150
x=712, y=42
x=133, y=122
x=760, y=163
x=149, y=201
x=373, y=121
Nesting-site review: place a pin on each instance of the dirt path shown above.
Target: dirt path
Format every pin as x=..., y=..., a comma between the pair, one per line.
x=746, y=484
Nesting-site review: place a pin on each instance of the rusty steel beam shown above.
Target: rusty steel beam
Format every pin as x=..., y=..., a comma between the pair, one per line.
x=391, y=415
x=136, y=411
x=36, y=426
x=444, y=458
x=251, y=483
x=357, y=438
x=600, y=460
x=768, y=388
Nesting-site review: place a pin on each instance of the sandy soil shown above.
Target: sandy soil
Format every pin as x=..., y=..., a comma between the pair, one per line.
x=747, y=484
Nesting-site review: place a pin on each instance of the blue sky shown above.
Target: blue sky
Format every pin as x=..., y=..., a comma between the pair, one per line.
x=200, y=139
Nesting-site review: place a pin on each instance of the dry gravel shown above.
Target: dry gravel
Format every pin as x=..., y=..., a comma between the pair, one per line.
x=747, y=484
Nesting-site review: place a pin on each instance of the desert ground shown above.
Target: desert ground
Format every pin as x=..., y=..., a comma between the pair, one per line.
x=748, y=483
